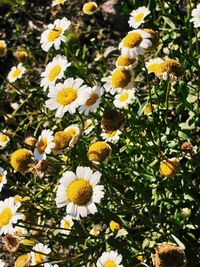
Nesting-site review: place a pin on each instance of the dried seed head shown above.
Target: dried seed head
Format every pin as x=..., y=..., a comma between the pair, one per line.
x=112, y=120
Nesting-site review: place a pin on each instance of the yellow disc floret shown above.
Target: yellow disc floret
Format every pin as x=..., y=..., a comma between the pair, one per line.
x=41, y=145
x=109, y=263
x=16, y=73
x=132, y=39
x=139, y=17
x=99, y=152
x=121, y=78
x=3, y=138
x=66, y=96
x=53, y=74
x=90, y=8
x=5, y=217
x=39, y=258
x=21, y=159
x=54, y=34
x=114, y=226
x=124, y=61
x=170, y=167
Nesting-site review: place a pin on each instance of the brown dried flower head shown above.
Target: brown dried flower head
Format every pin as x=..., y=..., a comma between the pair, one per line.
x=11, y=242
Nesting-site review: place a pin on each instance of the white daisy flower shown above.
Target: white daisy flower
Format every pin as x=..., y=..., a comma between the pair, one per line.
x=54, y=34
x=3, y=179
x=58, y=2
x=66, y=223
x=2, y=263
x=16, y=72
x=95, y=231
x=4, y=139
x=80, y=192
x=111, y=258
x=88, y=126
x=53, y=71
x=137, y=16
x=196, y=16
x=111, y=136
x=125, y=98
x=92, y=101
x=119, y=80
x=9, y=215
x=44, y=145
x=67, y=97
x=37, y=257
x=135, y=43
x=153, y=65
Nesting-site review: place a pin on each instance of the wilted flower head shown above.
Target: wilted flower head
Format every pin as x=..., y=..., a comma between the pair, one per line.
x=11, y=242
x=112, y=120
x=170, y=70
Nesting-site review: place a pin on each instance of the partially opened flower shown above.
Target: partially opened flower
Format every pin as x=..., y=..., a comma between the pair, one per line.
x=44, y=145
x=3, y=179
x=21, y=159
x=54, y=70
x=54, y=34
x=16, y=72
x=111, y=136
x=80, y=192
x=137, y=16
x=37, y=257
x=110, y=259
x=154, y=65
x=90, y=8
x=4, y=139
x=99, y=152
x=58, y=2
x=125, y=62
x=124, y=99
x=196, y=16
x=66, y=224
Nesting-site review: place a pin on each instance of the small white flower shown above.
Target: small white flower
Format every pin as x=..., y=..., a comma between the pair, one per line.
x=137, y=17
x=53, y=71
x=66, y=223
x=95, y=231
x=153, y=65
x=4, y=139
x=58, y=2
x=125, y=98
x=37, y=257
x=44, y=145
x=111, y=136
x=9, y=215
x=3, y=179
x=111, y=258
x=88, y=126
x=54, y=34
x=67, y=97
x=80, y=192
x=196, y=16
x=2, y=263
x=92, y=101
x=16, y=72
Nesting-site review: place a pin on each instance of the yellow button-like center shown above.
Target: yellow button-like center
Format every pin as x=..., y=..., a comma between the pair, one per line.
x=121, y=78
x=66, y=96
x=54, y=72
x=79, y=192
x=54, y=34
x=62, y=139
x=16, y=73
x=39, y=258
x=111, y=133
x=139, y=17
x=3, y=138
x=92, y=100
x=125, y=61
x=109, y=263
x=123, y=97
x=5, y=217
x=155, y=67
x=67, y=224
x=99, y=151
x=42, y=144
x=132, y=40
x=90, y=7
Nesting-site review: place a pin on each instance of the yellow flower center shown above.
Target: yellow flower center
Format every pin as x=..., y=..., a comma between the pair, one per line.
x=132, y=40
x=121, y=78
x=3, y=138
x=169, y=168
x=154, y=67
x=60, y=1
x=99, y=152
x=109, y=263
x=53, y=74
x=139, y=17
x=1, y=178
x=39, y=258
x=67, y=224
x=63, y=138
x=114, y=226
x=123, y=97
x=21, y=159
x=42, y=144
x=16, y=73
x=92, y=100
x=22, y=261
x=54, y=34
x=89, y=7
x=5, y=217
x=125, y=61
x=79, y=192
x=111, y=133
x=66, y=96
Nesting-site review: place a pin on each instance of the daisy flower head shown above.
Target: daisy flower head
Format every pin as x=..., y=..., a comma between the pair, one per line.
x=4, y=139
x=125, y=98
x=3, y=179
x=95, y=231
x=9, y=215
x=90, y=8
x=88, y=126
x=53, y=71
x=16, y=72
x=92, y=101
x=21, y=159
x=3, y=48
x=58, y=2
x=99, y=152
x=137, y=16
x=66, y=223
x=135, y=43
x=2, y=263
x=80, y=192
x=37, y=257
x=54, y=34
x=171, y=70
x=154, y=65
x=120, y=79
x=44, y=145
x=196, y=16
x=125, y=62
x=111, y=136
x=67, y=96
x=110, y=259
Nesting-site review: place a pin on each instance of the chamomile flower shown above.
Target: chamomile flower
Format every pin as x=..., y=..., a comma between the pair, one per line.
x=119, y=80
x=95, y=231
x=2, y=263
x=58, y=2
x=153, y=65
x=4, y=139
x=54, y=70
x=88, y=126
x=54, y=34
x=80, y=192
x=3, y=179
x=92, y=101
x=44, y=145
x=66, y=223
x=111, y=136
x=196, y=16
x=67, y=97
x=8, y=215
x=137, y=16
x=37, y=257
x=125, y=98
x=135, y=43
x=16, y=72
x=110, y=259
